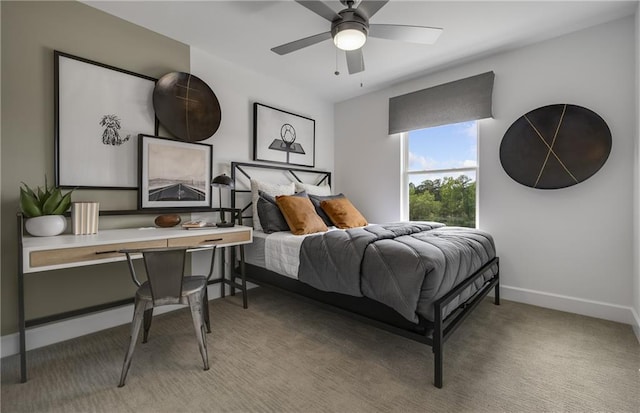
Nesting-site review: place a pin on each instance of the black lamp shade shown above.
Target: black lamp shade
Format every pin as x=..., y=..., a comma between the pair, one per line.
x=222, y=181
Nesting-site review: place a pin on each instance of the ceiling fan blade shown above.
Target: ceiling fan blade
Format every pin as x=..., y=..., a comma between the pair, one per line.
x=371, y=7
x=355, y=61
x=301, y=43
x=411, y=34
x=319, y=8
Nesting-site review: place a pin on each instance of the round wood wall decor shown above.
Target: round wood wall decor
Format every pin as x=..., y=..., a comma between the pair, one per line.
x=186, y=106
x=555, y=146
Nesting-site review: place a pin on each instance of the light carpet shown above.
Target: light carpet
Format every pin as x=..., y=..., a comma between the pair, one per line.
x=288, y=354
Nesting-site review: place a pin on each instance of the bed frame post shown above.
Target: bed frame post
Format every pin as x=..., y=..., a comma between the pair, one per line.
x=437, y=346
x=496, y=295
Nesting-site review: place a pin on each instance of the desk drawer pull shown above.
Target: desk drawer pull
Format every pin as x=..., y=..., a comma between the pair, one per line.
x=107, y=252
x=213, y=240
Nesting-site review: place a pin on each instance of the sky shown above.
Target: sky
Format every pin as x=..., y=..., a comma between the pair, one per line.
x=443, y=147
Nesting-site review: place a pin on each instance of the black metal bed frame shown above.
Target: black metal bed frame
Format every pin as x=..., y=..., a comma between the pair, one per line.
x=434, y=333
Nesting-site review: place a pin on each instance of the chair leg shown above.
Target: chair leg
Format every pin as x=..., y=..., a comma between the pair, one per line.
x=195, y=303
x=148, y=316
x=138, y=314
x=206, y=310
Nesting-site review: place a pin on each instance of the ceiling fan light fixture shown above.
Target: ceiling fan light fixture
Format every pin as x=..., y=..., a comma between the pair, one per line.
x=349, y=39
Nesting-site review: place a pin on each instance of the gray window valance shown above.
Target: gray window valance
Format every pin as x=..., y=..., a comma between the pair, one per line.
x=458, y=101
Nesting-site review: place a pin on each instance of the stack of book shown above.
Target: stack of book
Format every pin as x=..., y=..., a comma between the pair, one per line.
x=197, y=224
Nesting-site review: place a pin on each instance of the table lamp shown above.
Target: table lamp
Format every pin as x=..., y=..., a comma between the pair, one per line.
x=221, y=181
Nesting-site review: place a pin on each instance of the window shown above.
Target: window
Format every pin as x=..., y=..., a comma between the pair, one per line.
x=440, y=168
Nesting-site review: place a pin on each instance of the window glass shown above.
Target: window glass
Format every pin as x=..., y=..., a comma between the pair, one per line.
x=443, y=147
x=441, y=171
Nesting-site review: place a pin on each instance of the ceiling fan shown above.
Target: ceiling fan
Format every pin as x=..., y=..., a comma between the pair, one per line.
x=350, y=28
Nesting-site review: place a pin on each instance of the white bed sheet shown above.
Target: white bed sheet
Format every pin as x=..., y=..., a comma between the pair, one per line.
x=278, y=252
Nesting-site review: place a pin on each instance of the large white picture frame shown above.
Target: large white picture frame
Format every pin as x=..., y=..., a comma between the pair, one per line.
x=99, y=112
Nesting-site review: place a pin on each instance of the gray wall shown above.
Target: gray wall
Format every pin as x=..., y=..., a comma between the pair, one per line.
x=569, y=249
x=30, y=33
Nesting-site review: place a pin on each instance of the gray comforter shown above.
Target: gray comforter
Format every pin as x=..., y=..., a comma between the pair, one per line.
x=406, y=266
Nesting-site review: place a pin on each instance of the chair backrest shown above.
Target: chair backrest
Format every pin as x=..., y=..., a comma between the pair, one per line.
x=165, y=270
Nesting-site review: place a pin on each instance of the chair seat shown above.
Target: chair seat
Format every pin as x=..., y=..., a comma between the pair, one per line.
x=189, y=286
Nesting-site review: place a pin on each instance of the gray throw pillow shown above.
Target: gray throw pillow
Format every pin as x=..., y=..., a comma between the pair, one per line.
x=316, y=200
x=271, y=219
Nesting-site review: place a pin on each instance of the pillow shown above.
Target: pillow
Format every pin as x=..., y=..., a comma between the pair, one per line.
x=322, y=190
x=300, y=215
x=342, y=213
x=316, y=200
x=269, y=213
x=270, y=189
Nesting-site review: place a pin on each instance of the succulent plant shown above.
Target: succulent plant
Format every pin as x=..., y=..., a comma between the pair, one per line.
x=43, y=201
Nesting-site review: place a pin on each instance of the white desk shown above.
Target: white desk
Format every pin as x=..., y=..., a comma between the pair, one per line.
x=37, y=254
x=65, y=251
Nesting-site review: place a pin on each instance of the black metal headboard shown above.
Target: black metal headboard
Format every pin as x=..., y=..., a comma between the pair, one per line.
x=243, y=172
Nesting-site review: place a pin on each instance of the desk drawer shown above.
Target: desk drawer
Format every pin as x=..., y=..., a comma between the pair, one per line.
x=223, y=238
x=92, y=253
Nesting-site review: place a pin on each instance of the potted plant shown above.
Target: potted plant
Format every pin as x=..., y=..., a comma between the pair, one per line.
x=44, y=209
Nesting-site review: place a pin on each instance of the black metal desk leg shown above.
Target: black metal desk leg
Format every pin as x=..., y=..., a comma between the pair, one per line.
x=232, y=275
x=244, y=278
x=222, y=272
x=21, y=326
x=21, y=316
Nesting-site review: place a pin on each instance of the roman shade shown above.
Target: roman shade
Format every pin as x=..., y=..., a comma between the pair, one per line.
x=458, y=101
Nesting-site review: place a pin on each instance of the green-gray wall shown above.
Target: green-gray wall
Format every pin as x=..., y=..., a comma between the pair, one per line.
x=31, y=31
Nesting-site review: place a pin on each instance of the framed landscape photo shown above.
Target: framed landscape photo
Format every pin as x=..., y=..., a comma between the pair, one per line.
x=283, y=137
x=99, y=112
x=173, y=174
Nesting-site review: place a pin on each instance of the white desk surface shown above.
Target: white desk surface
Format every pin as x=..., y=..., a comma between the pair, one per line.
x=114, y=236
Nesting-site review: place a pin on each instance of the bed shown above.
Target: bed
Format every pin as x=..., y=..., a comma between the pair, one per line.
x=420, y=280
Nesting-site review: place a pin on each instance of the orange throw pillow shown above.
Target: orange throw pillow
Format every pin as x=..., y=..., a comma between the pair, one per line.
x=300, y=215
x=342, y=213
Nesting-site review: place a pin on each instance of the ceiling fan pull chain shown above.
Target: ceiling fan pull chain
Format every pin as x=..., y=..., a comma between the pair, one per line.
x=337, y=73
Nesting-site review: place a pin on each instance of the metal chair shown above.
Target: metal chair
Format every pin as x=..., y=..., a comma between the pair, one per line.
x=166, y=284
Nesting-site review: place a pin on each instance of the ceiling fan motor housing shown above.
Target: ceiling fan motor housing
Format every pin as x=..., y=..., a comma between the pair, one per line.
x=350, y=19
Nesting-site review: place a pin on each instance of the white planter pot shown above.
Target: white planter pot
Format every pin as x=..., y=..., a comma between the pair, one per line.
x=46, y=225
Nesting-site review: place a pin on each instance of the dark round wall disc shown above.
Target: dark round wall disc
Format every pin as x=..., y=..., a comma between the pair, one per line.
x=186, y=106
x=555, y=146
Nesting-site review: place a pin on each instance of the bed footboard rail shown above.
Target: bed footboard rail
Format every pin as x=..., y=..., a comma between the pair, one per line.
x=443, y=328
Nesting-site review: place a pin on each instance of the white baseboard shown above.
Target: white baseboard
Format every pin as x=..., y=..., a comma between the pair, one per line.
x=51, y=333
x=597, y=309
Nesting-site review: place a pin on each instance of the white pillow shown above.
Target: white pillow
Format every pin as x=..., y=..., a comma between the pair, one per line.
x=269, y=188
x=319, y=190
